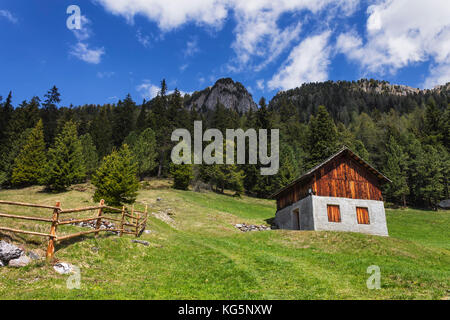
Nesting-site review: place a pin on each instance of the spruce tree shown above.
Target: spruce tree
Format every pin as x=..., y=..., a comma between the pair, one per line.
x=396, y=170
x=90, y=155
x=322, y=137
x=49, y=114
x=28, y=168
x=145, y=153
x=116, y=179
x=65, y=164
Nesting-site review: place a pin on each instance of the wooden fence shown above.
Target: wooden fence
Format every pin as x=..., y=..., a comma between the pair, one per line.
x=133, y=222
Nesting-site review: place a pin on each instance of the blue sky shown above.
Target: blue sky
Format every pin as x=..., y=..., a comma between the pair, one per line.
x=128, y=46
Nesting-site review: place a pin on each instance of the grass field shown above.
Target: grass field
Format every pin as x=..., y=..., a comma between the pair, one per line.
x=200, y=255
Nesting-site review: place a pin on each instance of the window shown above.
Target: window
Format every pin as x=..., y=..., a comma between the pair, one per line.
x=363, y=215
x=334, y=213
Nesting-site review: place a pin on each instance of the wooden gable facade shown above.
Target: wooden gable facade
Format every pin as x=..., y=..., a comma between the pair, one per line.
x=344, y=175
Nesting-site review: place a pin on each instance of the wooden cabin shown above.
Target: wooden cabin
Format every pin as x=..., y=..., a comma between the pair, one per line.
x=343, y=193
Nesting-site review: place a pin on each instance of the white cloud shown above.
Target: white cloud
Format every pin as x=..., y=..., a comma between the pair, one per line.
x=85, y=32
x=259, y=35
x=81, y=51
x=191, y=47
x=106, y=74
x=8, y=16
x=143, y=39
x=308, y=62
x=260, y=84
x=184, y=67
x=259, y=38
x=147, y=90
x=401, y=33
x=439, y=74
x=170, y=14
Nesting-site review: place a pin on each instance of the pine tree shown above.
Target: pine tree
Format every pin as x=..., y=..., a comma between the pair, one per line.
x=65, y=165
x=144, y=151
x=428, y=176
x=322, y=137
x=224, y=176
x=49, y=114
x=6, y=113
x=29, y=165
x=124, y=120
x=90, y=155
x=396, y=170
x=101, y=132
x=116, y=179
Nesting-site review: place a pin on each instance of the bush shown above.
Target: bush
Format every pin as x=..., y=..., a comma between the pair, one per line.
x=182, y=175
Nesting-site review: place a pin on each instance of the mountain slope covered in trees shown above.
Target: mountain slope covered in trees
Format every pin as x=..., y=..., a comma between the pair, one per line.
x=403, y=132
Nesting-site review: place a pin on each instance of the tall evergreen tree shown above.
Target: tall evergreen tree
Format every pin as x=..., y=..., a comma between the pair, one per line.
x=396, y=170
x=116, y=179
x=144, y=151
x=29, y=165
x=65, y=164
x=90, y=155
x=124, y=120
x=49, y=114
x=322, y=137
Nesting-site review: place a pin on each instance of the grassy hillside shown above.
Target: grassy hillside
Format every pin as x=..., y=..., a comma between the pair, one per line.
x=200, y=255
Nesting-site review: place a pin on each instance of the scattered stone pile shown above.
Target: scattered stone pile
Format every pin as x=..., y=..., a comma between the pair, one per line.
x=105, y=225
x=247, y=228
x=13, y=256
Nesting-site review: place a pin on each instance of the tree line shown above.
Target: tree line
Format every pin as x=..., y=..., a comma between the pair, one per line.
x=116, y=145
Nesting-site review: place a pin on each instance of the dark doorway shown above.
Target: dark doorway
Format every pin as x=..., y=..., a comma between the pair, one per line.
x=296, y=214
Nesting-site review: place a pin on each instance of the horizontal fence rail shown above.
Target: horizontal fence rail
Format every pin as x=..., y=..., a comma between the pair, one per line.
x=133, y=223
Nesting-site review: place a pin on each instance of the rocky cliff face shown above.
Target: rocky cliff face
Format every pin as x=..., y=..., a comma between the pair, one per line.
x=232, y=95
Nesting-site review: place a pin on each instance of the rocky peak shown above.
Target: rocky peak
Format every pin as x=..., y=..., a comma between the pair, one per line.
x=379, y=87
x=232, y=95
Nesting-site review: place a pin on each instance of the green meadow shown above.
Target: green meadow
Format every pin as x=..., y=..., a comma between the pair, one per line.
x=197, y=253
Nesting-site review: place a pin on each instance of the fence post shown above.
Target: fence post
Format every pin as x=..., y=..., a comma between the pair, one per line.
x=146, y=217
x=52, y=238
x=122, y=221
x=99, y=215
x=137, y=218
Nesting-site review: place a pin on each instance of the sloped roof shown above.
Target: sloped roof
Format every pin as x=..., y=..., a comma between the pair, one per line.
x=378, y=174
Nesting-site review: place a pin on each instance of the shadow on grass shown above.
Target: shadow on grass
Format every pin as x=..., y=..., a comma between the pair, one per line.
x=66, y=243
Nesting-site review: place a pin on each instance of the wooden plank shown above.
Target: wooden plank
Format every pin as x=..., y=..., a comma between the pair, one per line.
x=5, y=215
x=26, y=232
x=21, y=204
x=64, y=222
x=81, y=209
x=112, y=208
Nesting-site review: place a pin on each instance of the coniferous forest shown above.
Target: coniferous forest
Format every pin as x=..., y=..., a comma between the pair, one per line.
x=403, y=134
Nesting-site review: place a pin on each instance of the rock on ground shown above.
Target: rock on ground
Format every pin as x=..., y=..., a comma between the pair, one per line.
x=9, y=251
x=63, y=268
x=248, y=228
x=145, y=243
x=33, y=255
x=20, y=262
x=1, y=264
